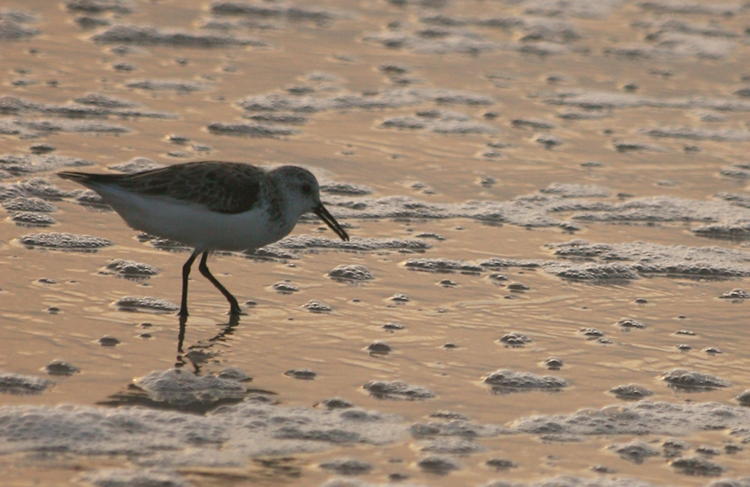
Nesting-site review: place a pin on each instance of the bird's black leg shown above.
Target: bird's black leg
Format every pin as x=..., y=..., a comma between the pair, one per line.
x=234, y=307
x=185, y=274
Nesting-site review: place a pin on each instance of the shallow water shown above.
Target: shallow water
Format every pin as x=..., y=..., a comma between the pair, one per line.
x=465, y=145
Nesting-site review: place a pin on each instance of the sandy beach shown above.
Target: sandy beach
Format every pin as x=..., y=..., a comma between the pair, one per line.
x=546, y=283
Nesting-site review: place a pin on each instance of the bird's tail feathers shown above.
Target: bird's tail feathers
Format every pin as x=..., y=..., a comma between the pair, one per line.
x=80, y=177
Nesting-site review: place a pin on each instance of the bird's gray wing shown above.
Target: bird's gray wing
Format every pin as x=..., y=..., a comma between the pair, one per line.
x=219, y=186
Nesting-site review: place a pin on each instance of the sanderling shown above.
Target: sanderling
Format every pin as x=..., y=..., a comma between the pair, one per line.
x=212, y=205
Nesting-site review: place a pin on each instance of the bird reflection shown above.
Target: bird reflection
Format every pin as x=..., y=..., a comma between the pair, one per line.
x=200, y=353
x=176, y=395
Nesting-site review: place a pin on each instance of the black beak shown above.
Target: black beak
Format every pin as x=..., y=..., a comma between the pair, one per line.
x=321, y=211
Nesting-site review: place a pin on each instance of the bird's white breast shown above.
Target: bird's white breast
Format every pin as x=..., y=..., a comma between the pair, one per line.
x=195, y=225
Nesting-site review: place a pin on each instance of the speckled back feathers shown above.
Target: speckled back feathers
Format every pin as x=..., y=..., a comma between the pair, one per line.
x=223, y=187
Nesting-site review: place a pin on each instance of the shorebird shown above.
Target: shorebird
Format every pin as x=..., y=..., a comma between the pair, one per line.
x=211, y=205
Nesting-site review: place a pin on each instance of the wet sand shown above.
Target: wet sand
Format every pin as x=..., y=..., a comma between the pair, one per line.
x=547, y=280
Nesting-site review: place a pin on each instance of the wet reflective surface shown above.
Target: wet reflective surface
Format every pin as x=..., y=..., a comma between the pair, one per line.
x=548, y=214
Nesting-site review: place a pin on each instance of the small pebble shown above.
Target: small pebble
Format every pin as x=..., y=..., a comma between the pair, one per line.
x=673, y=448
x=500, y=464
x=591, y=332
x=397, y=390
x=351, y=272
x=731, y=448
x=316, y=307
x=548, y=140
x=178, y=139
x=697, y=466
x=486, y=181
x=125, y=67
x=628, y=323
x=707, y=450
x=517, y=286
x=379, y=348
x=108, y=341
x=32, y=219
x=443, y=414
x=744, y=398
x=689, y=380
x=233, y=373
x=434, y=236
x=515, y=339
x=301, y=374
x=285, y=287
x=630, y=392
x=438, y=464
x=90, y=22
x=736, y=294
x=336, y=403
x=41, y=148
x=496, y=277
x=61, y=367
x=393, y=326
x=553, y=363
x=347, y=466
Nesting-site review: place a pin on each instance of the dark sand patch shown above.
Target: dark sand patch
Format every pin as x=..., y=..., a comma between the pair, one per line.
x=148, y=35
x=145, y=304
x=64, y=241
x=11, y=383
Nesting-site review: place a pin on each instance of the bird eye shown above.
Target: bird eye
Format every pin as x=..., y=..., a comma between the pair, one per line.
x=306, y=188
